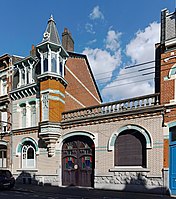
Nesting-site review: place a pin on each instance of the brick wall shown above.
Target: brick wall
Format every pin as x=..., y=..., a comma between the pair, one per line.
x=167, y=85
x=80, y=72
x=56, y=107
x=104, y=159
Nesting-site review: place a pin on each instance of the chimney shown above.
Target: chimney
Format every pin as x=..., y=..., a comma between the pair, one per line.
x=33, y=51
x=67, y=40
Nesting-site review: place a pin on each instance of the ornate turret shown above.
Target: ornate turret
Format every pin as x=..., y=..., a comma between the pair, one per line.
x=52, y=85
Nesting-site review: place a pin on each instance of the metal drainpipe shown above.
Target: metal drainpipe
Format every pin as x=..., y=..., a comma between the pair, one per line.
x=11, y=137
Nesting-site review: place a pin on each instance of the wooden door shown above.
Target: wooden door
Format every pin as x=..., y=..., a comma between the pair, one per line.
x=78, y=161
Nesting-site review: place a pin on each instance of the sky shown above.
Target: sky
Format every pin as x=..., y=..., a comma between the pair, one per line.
x=117, y=36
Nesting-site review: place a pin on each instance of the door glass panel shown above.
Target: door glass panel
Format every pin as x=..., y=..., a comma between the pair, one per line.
x=87, y=162
x=173, y=134
x=69, y=163
x=4, y=162
x=5, y=154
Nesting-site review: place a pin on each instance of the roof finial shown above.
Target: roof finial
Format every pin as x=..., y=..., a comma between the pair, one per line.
x=51, y=18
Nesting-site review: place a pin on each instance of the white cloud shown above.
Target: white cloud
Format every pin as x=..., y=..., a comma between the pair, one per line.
x=91, y=41
x=96, y=13
x=103, y=61
x=89, y=28
x=129, y=82
x=142, y=47
x=127, y=85
x=112, y=40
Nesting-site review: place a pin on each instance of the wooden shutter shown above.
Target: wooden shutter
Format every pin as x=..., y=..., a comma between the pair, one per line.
x=130, y=149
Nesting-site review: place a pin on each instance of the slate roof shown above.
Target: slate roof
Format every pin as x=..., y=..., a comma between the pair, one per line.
x=51, y=33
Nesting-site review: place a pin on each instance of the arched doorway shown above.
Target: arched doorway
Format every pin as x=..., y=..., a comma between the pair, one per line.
x=78, y=158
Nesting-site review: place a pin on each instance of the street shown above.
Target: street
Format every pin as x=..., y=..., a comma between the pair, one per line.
x=13, y=194
x=51, y=192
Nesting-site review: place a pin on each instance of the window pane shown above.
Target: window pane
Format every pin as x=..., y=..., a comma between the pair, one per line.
x=30, y=163
x=53, y=62
x=45, y=63
x=30, y=153
x=5, y=154
x=4, y=162
x=173, y=133
x=60, y=68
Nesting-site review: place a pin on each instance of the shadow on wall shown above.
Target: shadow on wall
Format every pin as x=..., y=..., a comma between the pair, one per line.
x=143, y=185
x=26, y=178
x=137, y=184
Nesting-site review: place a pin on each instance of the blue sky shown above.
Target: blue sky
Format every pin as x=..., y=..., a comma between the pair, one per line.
x=112, y=33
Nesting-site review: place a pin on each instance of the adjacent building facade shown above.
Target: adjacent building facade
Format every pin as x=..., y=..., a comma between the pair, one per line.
x=56, y=130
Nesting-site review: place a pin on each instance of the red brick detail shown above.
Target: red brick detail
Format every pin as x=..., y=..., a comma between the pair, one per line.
x=167, y=86
x=79, y=67
x=166, y=153
x=56, y=107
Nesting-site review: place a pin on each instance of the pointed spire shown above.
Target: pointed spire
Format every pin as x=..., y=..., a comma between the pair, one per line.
x=51, y=33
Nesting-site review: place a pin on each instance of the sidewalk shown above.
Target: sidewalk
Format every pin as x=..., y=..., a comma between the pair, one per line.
x=86, y=192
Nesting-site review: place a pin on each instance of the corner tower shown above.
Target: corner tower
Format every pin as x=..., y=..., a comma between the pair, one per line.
x=51, y=85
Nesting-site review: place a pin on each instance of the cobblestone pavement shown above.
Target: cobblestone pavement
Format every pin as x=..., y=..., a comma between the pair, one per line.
x=84, y=193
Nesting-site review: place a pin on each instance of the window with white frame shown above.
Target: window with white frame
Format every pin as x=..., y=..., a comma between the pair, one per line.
x=54, y=62
x=45, y=62
x=33, y=114
x=23, y=115
x=3, y=121
x=28, y=155
x=61, y=66
x=22, y=77
x=3, y=156
x=3, y=86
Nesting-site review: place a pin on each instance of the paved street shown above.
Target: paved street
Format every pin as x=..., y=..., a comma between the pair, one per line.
x=48, y=192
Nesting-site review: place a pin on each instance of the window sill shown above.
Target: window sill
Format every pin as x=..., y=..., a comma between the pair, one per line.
x=27, y=169
x=128, y=169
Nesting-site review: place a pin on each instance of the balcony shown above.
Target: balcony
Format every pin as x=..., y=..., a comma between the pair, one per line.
x=122, y=107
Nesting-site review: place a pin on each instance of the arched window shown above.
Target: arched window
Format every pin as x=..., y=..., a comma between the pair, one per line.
x=130, y=149
x=3, y=156
x=28, y=155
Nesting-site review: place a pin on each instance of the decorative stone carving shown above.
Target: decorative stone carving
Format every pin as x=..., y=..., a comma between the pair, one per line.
x=50, y=133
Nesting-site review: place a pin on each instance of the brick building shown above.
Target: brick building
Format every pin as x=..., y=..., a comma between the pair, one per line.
x=59, y=132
